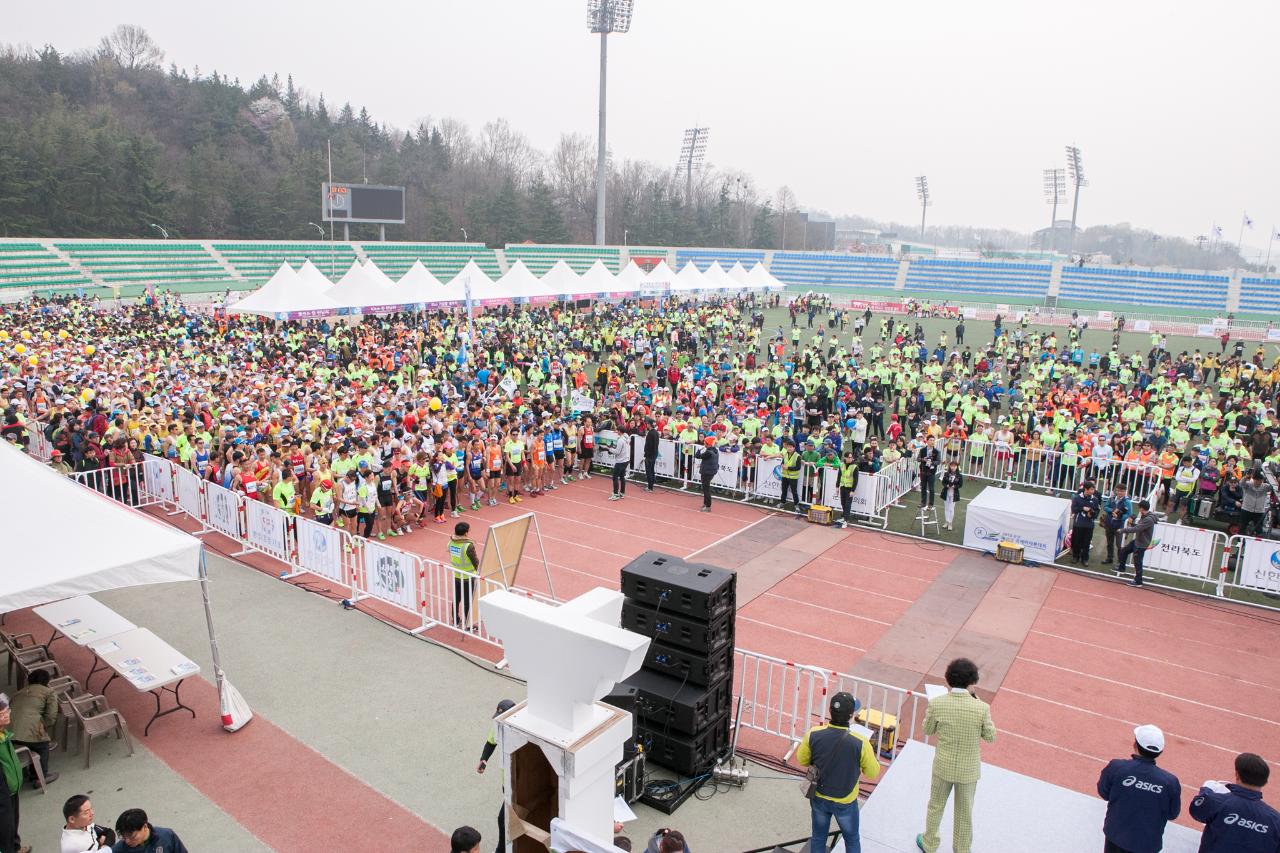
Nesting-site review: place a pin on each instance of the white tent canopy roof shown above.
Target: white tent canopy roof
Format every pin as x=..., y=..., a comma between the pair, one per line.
x=761, y=277
x=519, y=282
x=361, y=288
x=310, y=274
x=418, y=286
x=483, y=288
x=660, y=277
x=285, y=293
x=561, y=280
x=688, y=279
x=718, y=279
x=630, y=280
x=597, y=279
x=112, y=546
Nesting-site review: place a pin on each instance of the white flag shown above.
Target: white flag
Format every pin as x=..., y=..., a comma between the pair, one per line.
x=1248, y=223
x=1217, y=230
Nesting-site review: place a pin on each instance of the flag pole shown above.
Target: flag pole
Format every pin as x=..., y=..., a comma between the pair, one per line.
x=1266, y=265
x=1244, y=217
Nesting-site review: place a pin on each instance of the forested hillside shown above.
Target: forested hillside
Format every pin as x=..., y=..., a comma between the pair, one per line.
x=105, y=142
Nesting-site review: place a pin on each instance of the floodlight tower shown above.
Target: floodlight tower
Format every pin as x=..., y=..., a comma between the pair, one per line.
x=922, y=193
x=693, y=152
x=1076, y=171
x=604, y=17
x=1055, y=192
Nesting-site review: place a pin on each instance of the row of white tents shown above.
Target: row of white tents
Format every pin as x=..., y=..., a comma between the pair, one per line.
x=365, y=289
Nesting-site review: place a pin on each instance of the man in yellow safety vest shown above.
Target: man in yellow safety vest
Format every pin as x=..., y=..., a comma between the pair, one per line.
x=465, y=560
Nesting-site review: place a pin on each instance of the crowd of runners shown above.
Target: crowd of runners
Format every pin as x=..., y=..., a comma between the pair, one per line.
x=386, y=422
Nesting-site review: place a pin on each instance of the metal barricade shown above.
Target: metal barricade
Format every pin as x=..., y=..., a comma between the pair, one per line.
x=157, y=479
x=1250, y=571
x=778, y=697
x=38, y=446
x=893, y=715
x=122, y=483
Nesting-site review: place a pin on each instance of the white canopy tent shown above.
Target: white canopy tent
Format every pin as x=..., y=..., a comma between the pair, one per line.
x=739, y=274
x=661, y=277
x=285, y=296
x=630, y=281
x=361, y=289
x=561, y=281
x=418, y=286
x=113, y=546
x=596, y=280
x=718, y=279
x=310, y=275
x=483, y=290
x=688, y=280
x=519, y=283
x=761, y=277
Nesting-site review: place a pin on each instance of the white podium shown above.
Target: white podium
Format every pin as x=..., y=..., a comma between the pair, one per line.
x=560, y=747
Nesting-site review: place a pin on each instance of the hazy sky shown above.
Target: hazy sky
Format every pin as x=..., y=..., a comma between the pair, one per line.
x=1173, y=104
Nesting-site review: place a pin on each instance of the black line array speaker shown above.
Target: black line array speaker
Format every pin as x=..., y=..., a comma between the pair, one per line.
x=683, y=693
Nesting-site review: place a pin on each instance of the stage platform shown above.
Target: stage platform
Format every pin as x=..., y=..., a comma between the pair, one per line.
x=1012, y=813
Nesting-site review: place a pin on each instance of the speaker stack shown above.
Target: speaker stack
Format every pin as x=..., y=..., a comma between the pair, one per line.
x=682, y=694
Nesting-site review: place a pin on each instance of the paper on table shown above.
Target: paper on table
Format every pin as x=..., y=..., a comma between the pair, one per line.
x=142, y=680
x=622, y=812
x=184, y=668
x=80, y=635
x=132, y=662
x=106, y=648
x=69, y=623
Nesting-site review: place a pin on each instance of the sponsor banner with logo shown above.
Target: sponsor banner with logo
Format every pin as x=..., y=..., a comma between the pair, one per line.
x=224, y=510
x=1104, y=316
x=1221, y=324
x=1259, y=565
x=1273, y=334
x=970, y=312
x=1036, y=522
x=769, y=477
x=1180, y=550
x=663, y=466
x=320, y=549
x=1142, y=325
x=864, y=495
x=267, y=529
x=157, y=476
x=188, y=491
x=580, y=402
x=1206, y=330
x=727, y=476
x=389, y=574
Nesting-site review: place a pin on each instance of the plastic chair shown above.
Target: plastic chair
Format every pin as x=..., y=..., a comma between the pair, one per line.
x=31, y=659
x=98, y=718
x=13, y=645
x=26, y=759
x=66, y=688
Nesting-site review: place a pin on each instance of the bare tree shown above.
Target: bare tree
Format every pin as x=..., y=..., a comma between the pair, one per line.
x=786, y=204
x=573, y=176
x=131, y=47
x=505, y=151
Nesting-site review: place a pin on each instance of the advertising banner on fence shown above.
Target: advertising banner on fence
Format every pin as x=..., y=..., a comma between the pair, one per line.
x=1221, y=324
x=1104, y=317
x=970, y=312
x=1142, y=325
x=1206, y=330
x=267, y=529
x=1260, y=565
x=388, y=574
x=1180, y=550
x=769, y=477
x=1273, y=335
x=188, y=491
x=727, y=476
x=320, y=549
x=864, y=496
x=157, y=478
x=664, y=465
x=224, y=510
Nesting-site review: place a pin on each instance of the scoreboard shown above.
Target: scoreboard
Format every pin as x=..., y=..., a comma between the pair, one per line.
x=362, y=203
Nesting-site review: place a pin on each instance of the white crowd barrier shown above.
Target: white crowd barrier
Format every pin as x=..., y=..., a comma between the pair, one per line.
x=779, y=697
x=39, y=446
x=1251, y=567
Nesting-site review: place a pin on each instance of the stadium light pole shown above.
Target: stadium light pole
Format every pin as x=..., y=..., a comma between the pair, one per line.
x=159, y=228
x=604, y=17
x=922, y=193
x=693, y=151
x=1055, y=192
x=1076, y=170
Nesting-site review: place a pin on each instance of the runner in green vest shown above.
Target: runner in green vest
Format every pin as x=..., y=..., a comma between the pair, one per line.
x=465, y=560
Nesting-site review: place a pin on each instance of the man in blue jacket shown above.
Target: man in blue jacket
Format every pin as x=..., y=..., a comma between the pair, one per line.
x=1141, y=797
x=1235, y=818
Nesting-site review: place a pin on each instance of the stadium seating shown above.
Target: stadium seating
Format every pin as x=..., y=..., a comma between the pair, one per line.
x=1151, y=288
x=704, y=258
x=539, y=259
x=32, y=265
x=257, y=262
x=175, y=265
x=1259, y=295
x=443, y=260
x=989, y=278
x=824, y=269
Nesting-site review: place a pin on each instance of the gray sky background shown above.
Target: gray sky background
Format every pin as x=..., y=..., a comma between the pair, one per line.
x=1173, y=104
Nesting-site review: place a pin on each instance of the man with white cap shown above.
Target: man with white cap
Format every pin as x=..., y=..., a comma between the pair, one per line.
x=1141, y=797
